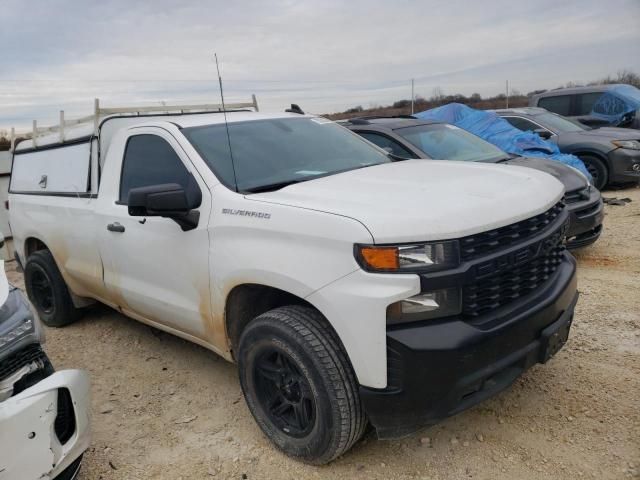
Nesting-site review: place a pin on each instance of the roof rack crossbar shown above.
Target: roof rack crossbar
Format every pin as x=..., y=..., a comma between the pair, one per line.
x=99, y=111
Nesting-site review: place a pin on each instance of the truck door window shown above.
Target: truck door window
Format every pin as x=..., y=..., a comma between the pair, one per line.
x=150, y=160
x=388, y=144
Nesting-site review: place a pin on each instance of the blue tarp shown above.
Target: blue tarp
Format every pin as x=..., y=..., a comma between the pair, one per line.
x=492, y=128
x=616, y=103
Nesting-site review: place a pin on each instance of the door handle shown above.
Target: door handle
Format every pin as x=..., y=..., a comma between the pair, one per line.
x=115, y=227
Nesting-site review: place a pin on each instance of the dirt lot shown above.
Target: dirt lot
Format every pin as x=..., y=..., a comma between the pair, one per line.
x=164, y=408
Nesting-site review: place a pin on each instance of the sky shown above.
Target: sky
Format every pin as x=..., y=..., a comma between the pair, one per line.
x=324, y=55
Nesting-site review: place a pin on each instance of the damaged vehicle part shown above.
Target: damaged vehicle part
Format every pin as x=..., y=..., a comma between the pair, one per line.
x=44, y=423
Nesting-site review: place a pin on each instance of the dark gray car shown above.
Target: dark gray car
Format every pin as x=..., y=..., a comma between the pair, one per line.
x=412, y=138
x=612, y=155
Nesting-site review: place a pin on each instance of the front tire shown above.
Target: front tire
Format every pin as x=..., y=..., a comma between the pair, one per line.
x=299, y=384
x=48, y=291
x=598, y=170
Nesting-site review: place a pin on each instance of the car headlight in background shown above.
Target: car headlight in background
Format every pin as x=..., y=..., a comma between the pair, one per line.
x=18, y=325
x=421, y=257
x=630, y=144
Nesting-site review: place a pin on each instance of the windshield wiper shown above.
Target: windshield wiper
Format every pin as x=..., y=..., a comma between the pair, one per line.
x=270, y=187
x=396, y=158
x=506, y=158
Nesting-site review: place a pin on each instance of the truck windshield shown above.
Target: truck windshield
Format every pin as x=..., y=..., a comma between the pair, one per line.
x=273, y=153
x=448, y=142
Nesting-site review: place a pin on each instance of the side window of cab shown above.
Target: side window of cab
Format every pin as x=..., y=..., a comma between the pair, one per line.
x=150, y=160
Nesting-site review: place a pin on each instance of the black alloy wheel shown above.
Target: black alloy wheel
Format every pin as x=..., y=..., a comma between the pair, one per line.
x=42, y=291
x=284, y=393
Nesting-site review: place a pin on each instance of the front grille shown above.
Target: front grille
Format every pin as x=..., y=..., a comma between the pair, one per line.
x=65, y=423
x=590, y=210
x=479, y=244
x=501, y=289
x=13, y=363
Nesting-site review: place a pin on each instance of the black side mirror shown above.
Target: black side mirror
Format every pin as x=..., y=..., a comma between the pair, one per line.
x=168, y=200
x=546, y=134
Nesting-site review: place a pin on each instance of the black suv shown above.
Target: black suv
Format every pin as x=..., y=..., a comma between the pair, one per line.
x=408, y=137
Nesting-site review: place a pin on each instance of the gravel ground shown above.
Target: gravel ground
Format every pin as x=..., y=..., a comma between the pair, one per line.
x=165, y=408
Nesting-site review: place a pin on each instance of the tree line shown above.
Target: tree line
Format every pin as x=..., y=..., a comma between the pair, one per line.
x=475, y=100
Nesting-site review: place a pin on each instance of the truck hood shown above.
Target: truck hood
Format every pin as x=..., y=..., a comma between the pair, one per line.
x=414, y=200
x=571, y=178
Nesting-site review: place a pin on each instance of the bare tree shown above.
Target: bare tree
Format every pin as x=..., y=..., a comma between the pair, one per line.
x=437, y=94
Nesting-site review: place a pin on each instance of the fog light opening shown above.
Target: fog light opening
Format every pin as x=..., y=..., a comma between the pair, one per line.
x=425, y=306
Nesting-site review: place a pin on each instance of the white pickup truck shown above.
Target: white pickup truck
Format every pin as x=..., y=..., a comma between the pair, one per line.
x=349, y=287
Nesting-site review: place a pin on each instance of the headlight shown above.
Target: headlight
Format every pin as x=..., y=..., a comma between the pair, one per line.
x=425, y=306
x=630, y=144
x=422, y=257
x=18, y=325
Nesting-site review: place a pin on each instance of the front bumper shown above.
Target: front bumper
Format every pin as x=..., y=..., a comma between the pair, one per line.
x=624, y=166
x=585, y=220
x=29, y=446
x=437, y=369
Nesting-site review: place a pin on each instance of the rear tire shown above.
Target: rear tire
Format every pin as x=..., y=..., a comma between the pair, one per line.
x=48, y=291
x=598, y=170
x=299, y=384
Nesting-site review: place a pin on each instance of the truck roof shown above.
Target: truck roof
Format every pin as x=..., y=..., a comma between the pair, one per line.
x=184, y=120
x=112, y=124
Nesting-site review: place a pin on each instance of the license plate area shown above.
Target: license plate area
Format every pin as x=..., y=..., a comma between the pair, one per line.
x=555, y=336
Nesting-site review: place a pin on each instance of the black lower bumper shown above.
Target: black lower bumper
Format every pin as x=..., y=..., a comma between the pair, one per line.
x=585, y=221
x=438, y=369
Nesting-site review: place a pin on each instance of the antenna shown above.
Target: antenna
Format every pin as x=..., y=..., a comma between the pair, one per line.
x=226, y=124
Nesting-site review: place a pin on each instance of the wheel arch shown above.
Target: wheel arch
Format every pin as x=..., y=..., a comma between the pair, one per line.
x=594, y=153
x=33, y=244
x=248, y=300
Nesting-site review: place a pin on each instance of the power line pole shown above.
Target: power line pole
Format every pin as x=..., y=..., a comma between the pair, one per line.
x=412, y=96
x=507, y=94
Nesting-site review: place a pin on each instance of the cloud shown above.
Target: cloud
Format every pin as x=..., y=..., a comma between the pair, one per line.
x=325, y=55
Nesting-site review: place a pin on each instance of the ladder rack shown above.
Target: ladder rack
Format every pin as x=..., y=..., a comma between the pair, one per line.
x=100, y=112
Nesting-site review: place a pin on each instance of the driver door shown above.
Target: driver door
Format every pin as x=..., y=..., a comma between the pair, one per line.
x=153, y=270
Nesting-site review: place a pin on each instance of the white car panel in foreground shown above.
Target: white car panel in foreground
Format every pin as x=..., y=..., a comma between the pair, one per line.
x=29, y=448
